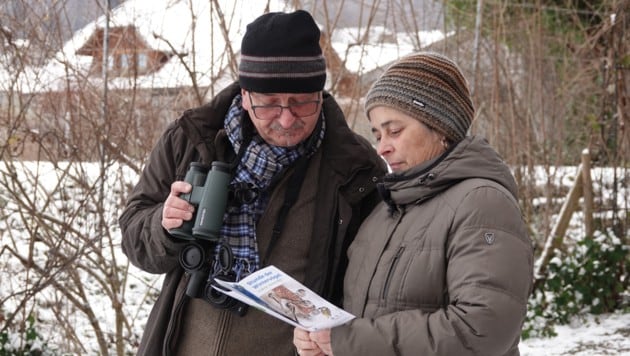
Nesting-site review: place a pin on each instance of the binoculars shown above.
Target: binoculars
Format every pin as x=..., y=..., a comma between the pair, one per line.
x=209, y=194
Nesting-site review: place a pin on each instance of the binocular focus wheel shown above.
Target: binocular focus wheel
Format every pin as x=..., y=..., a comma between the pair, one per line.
x=192, y=257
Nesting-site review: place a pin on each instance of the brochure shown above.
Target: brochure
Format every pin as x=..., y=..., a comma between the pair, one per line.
x=279, y=295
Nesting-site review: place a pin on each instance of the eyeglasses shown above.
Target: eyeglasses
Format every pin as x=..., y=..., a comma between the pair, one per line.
x=270, y=112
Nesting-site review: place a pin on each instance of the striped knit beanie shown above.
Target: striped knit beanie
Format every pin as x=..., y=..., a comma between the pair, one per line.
x=429, y=87
x=280, y=53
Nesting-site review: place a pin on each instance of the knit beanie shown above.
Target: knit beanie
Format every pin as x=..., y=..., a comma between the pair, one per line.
x=280, y=53
x=430, y=88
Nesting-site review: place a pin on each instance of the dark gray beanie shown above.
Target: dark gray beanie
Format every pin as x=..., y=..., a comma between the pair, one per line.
x=429, y=87
x=280, y=53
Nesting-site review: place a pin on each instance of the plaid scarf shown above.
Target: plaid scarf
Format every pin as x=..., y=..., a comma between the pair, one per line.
x=259, y=165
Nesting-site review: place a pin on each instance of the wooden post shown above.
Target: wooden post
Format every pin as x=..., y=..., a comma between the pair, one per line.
x=583, y=186
x=554, y=240
x=587, y=192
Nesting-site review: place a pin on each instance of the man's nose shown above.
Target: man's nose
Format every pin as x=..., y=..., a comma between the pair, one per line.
x=286, y=118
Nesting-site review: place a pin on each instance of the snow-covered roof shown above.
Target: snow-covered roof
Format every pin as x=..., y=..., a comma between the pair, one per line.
x=166, y=23
x=191, y=27
x=380, y=48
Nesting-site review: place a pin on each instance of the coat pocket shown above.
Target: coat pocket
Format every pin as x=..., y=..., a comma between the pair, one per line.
x=390, y=274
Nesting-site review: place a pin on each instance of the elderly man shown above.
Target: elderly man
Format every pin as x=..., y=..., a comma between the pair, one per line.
x=301, y=182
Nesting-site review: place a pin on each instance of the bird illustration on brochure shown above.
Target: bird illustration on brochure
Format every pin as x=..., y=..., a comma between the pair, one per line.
x=279, y=295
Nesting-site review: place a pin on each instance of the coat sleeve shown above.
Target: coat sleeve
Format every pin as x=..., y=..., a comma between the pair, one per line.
x=488, y=279
x=144, y=240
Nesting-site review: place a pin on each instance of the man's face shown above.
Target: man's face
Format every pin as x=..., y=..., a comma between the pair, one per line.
x=283, y=119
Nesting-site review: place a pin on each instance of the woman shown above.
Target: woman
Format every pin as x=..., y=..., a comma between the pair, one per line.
x=444, y=265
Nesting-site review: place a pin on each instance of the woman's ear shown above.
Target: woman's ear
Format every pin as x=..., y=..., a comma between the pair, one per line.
x=444, y=142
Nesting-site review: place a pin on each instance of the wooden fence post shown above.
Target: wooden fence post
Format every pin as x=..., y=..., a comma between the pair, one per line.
x=582, y=187
x=554, y=240
x=587, y=192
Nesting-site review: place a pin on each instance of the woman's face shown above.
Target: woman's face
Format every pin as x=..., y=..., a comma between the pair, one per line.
x=403, y=141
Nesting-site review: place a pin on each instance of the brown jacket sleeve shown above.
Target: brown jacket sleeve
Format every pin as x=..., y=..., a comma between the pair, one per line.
x=144, y=241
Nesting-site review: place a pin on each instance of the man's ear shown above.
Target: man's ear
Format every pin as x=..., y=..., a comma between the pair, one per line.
x=245, y=99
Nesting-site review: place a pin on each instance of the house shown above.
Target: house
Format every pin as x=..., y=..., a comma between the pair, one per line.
x=163, y=43
x=161, y=58
x=156, y=44
x=128, y=53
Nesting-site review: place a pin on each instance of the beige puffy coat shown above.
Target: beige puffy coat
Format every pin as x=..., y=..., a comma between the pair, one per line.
x=445, y=268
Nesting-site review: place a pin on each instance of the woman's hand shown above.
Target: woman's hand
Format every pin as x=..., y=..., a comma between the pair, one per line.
x=322, y=339
x=305, y=345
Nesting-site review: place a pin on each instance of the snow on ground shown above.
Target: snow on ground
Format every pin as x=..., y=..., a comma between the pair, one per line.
x=607, y=334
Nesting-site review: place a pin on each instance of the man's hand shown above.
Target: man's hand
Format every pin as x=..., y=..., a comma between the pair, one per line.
x=177, y=210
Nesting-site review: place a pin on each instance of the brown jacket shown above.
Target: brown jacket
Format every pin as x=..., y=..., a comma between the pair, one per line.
x=446, y=268
x=337, y=194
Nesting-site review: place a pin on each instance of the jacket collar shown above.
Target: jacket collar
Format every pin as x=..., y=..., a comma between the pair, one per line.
x=473, y=157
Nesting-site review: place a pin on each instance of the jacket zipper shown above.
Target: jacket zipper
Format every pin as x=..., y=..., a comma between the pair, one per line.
x=176, y=312
x=390, y=273
x=336, y=218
